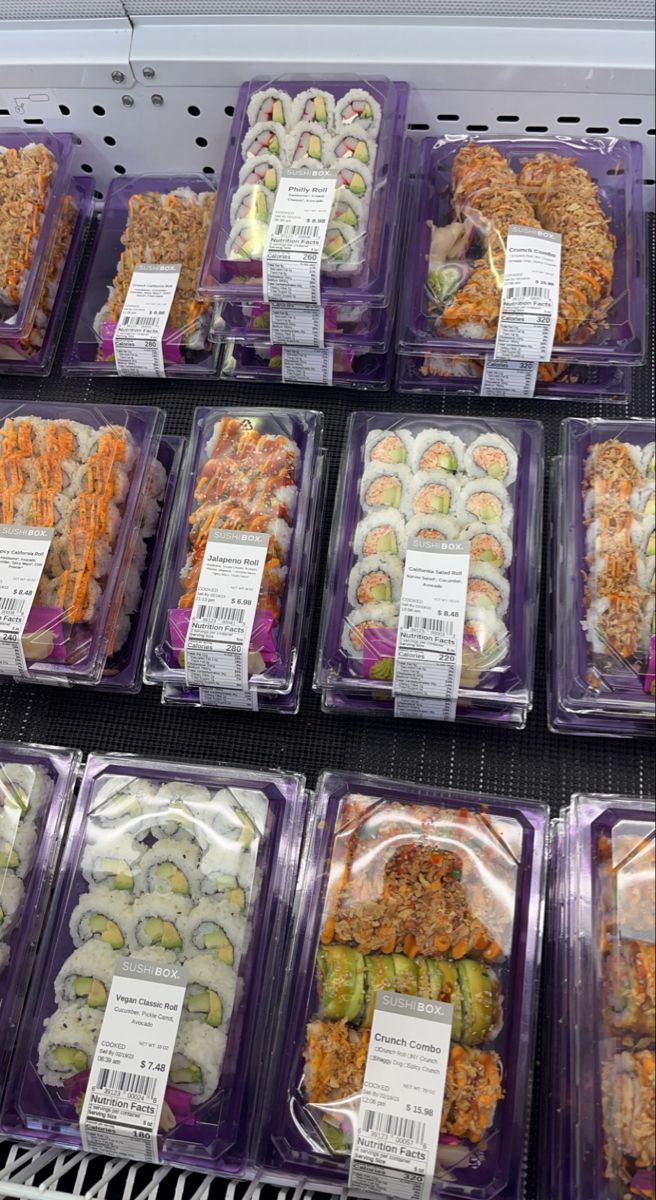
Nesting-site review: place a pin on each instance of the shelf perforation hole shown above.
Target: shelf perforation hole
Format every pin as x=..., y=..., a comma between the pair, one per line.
x=229, y=110
x=64, y=110
x=99, y=110
x=109, y=140
x=477, y=128
x=119, y=168
x=209, y=171
x=537, y=128
x=630, y=121
x=597, y=129
x=87, y=168
x=448, y=117
x=507, y=118
x=201, y=141
x=417, y=125
x=193, y=110
x=569, y=120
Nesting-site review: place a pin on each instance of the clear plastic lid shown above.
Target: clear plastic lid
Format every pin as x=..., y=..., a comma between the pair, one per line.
x=459, y=375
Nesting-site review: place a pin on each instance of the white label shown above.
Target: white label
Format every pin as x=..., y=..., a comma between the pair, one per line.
x=129, y=1074
x=402, y=1096
x=501, y=377
x=529, y=301
x=224, y=698
x=23, y=552
x=417, y=708
x=140, y=329
x=302, y=365
x=291, y=263
x=27, y=105
x=218, y=639
x=297, y=325
x=431, y=620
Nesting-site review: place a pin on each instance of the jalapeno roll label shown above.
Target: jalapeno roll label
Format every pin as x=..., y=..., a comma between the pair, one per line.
x=126, y=1091
x=529, y=300
x=23, y=552
x=302, y=365
x=219, y=636
x=140, y=329
x=502, y=377
x=291, y=262
x=395, y=1149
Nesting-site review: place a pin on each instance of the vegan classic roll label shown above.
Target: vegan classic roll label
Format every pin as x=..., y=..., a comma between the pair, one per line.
x=125, y=1094
x=529, y=300
x=218, y=640
x=302, y=365
x=296, y=325
x=140, y=329
x=291, y=262
x=23, y=553
x=431, y=624
x=502, y=377
x=395, y=1150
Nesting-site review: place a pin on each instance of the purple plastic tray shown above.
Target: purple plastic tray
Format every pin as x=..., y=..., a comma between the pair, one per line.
x=216, y=1138
x=61, y=767
x=582, y=382
x=290, y=1144
x=39, y=362
x=364, y=371
x=236, y=281
x=620, y=706
x=84, y=345
x=354, y=324
x=614, y=163
x=19, y=321
x=510, y=683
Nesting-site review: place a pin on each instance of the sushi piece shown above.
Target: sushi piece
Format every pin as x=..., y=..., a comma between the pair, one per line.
x=485, y=644
x=226, y=872
x=493, y=456
x=348, y=210
x=440, y=529
x=308, y=145
x=210, y=994
x=27, y=787
x=648, y=462
x=485, y=501
x=388, y=446
x=103, y=915
x=265, y=137
x=214, y=927
x=270, y=105
x=197, y=1060
x=68, y=1043
x=474, y=1086
x=358, y=107
x=263, y=171
x=432, y=493
x=158, y=921
x=251, y=202
x=361, y=620
x=384, y=486
x=487, y=588
x=314, y=105
x=377, y=579
x=488, y=544
x=178, y=809
x=170, y=867
x=628, y=1079
x=630, y=987
x=342, y=249
x=355, y=179
x=354, y=144
x=437, y=450
x=17, y=844
x=121, y=803
x=239, y=817
x=26, y=179
x=12, y=895
x=114, y=862
x=643, y=503
x=246, y=241
x=86, y=976
x=382, y=532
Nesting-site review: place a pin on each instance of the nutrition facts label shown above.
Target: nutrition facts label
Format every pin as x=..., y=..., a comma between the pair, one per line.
x=291, y=263
x=502, y=377
x=140, y=329
x=297, y=325
x=301, y=365
x=23, y=552
x=529, y=301
x=226, y=698
x=395, y=1149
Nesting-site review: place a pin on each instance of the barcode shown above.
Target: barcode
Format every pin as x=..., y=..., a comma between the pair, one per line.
x=434, y=624
x=528, y=293
x=139, y=319
x=122, y=1081
x=306, y=231
x=401, y=1127
x=211, y=612
x=11, y=604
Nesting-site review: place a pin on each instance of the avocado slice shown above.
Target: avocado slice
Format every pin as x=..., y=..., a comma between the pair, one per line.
x=189, y=1074
x=248, y=832
x=96, y=994
x=491, y=557
x=451, y=992
x=171, y=939
x=405, y=975
x=362, y=152
x=70, y=1059
x=208, y=1005
x=487, y=513
x=392, y=494
x=227, y=885
x=381, y=592
x=340, y=971
x=277, y=113
x=8, y=858
x=497, y=471
x=270, y=180
x=380, y=978
x=348, y=217
x=121, y=875
x=477, y=993
x=218, y=941
x=81, y=986
x=320, y=110
x=260, y=210
x=651, y=545
x=435, y=980
x=357, y=185
x=153, y=929
x=173, y=877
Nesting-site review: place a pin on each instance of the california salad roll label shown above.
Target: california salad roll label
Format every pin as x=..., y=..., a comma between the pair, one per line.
x=125, y=1098
x=291, y=262
x=143, y=320
x=529, y=300
x=23, y=552
x=222, y=618
x=431, y=625
x=395, y=1150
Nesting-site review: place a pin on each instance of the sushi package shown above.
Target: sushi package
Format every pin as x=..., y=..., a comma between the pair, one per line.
x=424, y=893
x=464, y=196
x=601, y=1016
x=359, y=327
x=36, y=787
x=353, y=129
x=602, y=626
x=441, y=480
x=255, y=476
x=166, y=866
x=155, y=221
x=33, y=353
x=348, y=366
x=82, y=476
x=35, y=172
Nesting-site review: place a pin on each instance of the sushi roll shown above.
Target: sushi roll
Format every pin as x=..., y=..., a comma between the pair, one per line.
x=103, y=915
x=210, y=994
x=75, y=593
x=113, y=862
x=361, y=620
x=68, y=1043
x=158, y=921
x=314, y=105
x=170, y=867
x=388, y=446
x=28, y=787
x=485, y=501
x=308, y=145
x=17, y=844
x=487, y=588
x=384, y=486
x=342, y=249
x=377, y=579
x=226, y=872
x=197, y=1060
x=348, y=210
x=440, y=528
x=354, y=143
x=488, y=544
x=86, y=976
x=263, y=171
x=239, y=817
x=265, y=137
x=493, y=456
x=648, y=462
x=432, y=493
x=246, y=241
x=485, y=644
x=358, y=107
x=213, y=927
x=12, y=894
x=122, y=803
x=382, y=532
x=251, y=202
x=437, y=450
x=355, y=180
x=270, y=105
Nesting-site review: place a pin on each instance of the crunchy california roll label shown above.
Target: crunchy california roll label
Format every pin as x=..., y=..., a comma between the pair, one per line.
x=531, y=288
x=395, y=1149
x=144, y=317
x=23, y=552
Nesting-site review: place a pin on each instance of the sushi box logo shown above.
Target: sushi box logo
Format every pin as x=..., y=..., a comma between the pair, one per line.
x=163, y=974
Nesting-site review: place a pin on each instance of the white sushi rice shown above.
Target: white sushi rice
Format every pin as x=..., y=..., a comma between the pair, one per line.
x=489, y=574
x=374, y=446
x=478, y=529
x=428, y=438
x=103, y=902
x=425, y=483
x=209, y=917
x=466, y=513
x=94, y=960
x=205, y=973
x=17, y=844
x=346, y=119
x=379, y=564
x=76, y=1027
x=12, y=895
x=198, y=1045
x=383, y=517
x=375, y=471
x=179, y=853
x=492, y=441
x=174, y=910
x=112, y=860
x=31, y=785
x=384, y=616
x=444, y=525
x=155, y=954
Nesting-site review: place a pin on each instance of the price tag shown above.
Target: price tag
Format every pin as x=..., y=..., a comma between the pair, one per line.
x=501, y=377
x=225, y=698
x=431, y=622
x=140, y=328
x=219, y=635
x=297, y=325
x=302, y=365
x=529, y=301
x=395, y=1150
x=127, y=1083
x=23, y=553
x=28, y=105
x=291, y=262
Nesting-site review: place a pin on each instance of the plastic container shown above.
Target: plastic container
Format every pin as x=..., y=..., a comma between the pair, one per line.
x=251, y=821
x=462, y=377
x=603, y=648
x=94, y=460
x=495, y=850
x=364, y=272
x=603, y=324
x=353, y=367
x=291, y=519
x=497, y=669
x=36, y=784
x=355, y=324
x=33, y=178
x=34, y=354
x=123, y=242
